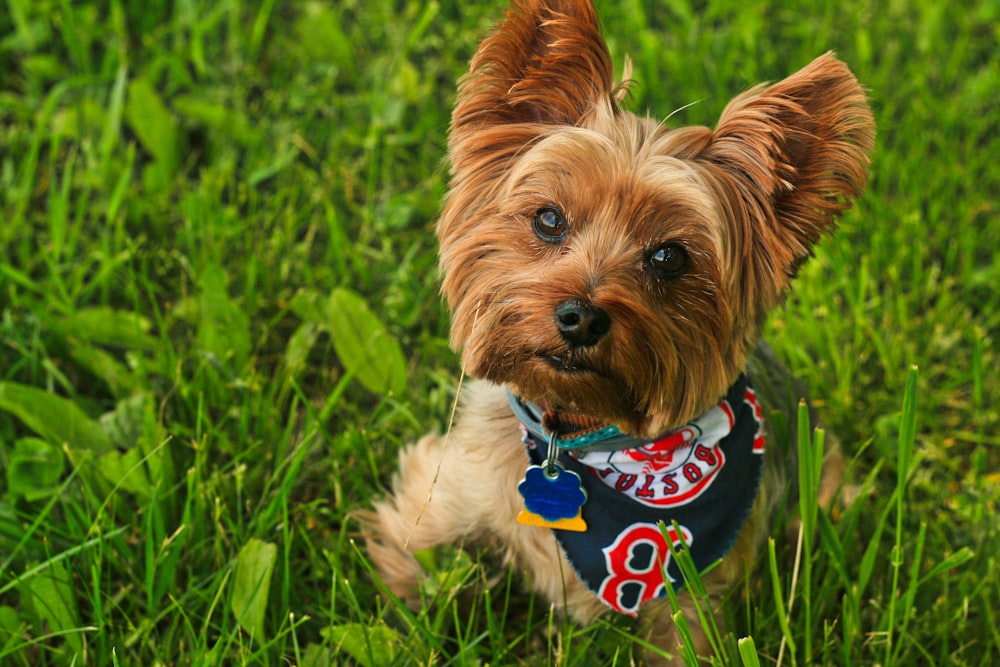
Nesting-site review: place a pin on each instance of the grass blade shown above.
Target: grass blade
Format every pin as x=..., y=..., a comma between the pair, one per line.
x=904, y=456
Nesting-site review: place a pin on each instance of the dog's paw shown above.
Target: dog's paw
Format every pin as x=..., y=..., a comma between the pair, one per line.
x=386, y=546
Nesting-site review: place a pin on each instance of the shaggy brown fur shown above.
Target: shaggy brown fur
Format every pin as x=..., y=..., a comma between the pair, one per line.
x=537, y=126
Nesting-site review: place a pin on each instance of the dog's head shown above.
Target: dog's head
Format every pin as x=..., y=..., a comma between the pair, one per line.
x=597, y=261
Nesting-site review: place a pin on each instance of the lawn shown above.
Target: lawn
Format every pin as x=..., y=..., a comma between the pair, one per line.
x=219, y=321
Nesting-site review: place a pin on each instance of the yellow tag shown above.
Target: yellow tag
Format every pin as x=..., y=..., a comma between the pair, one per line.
x=576, y=524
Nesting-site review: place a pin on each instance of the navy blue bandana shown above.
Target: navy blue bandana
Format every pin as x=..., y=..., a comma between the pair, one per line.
x=703, y=476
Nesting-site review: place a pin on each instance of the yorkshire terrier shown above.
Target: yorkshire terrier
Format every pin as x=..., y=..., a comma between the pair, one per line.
x=608, y=279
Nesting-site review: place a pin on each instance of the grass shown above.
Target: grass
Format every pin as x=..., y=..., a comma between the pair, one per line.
x=219, y=321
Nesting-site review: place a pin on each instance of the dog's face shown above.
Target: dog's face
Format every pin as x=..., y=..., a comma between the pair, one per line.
x=598, y=262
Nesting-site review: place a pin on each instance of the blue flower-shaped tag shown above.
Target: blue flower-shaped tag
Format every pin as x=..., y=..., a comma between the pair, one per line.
x=553, y=498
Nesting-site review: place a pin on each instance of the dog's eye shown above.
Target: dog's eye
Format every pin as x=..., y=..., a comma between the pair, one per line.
x=549, y=225
x=669, y=260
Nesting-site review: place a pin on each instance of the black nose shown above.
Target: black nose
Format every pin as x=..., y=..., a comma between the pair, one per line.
x=581, y=324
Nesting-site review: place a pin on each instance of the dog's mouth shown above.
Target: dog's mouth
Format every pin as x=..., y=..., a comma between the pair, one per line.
x=566, y=363
x=580, y=384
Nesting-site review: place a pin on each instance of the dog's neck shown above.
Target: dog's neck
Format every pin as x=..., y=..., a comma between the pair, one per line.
x=573, y=430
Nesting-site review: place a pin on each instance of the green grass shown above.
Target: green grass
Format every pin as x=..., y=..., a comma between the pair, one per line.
x=209, y=211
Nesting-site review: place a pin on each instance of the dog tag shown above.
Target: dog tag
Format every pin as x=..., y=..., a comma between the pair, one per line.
x=553, y=498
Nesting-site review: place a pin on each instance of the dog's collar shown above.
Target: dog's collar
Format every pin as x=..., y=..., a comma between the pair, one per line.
x=574, y=431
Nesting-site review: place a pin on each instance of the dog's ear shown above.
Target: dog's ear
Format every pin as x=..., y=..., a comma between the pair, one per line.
x=546, y=62
x=799, y=152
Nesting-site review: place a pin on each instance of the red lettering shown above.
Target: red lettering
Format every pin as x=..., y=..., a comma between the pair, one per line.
x=703, y=453
x=646, y=491
x=625, y=482
x=692, y=472
x=670, y=486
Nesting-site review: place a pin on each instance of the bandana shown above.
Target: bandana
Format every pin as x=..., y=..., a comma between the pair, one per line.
x=703, y=477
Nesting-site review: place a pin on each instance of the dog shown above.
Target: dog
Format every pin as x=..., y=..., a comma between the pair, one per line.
x=608, y=279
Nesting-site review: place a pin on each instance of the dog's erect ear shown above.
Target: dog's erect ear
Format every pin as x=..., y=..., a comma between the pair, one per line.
x=546, y=62
x=799, y=150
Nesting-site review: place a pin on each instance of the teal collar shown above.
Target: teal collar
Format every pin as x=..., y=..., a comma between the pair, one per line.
x=594, y=438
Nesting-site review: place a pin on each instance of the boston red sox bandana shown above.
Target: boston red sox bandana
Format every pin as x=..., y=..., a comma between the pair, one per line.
x=703, y=477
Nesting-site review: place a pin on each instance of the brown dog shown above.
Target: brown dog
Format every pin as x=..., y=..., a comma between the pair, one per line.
x=609, y=278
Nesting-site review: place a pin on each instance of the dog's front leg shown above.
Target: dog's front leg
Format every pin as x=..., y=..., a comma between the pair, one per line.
x=424, y=510
x=450, y=490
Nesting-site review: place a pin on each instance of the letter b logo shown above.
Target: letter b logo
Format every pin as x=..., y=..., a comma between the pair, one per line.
x=637, y=565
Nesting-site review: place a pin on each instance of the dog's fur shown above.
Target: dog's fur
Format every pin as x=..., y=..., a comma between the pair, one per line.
x=539, y=123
